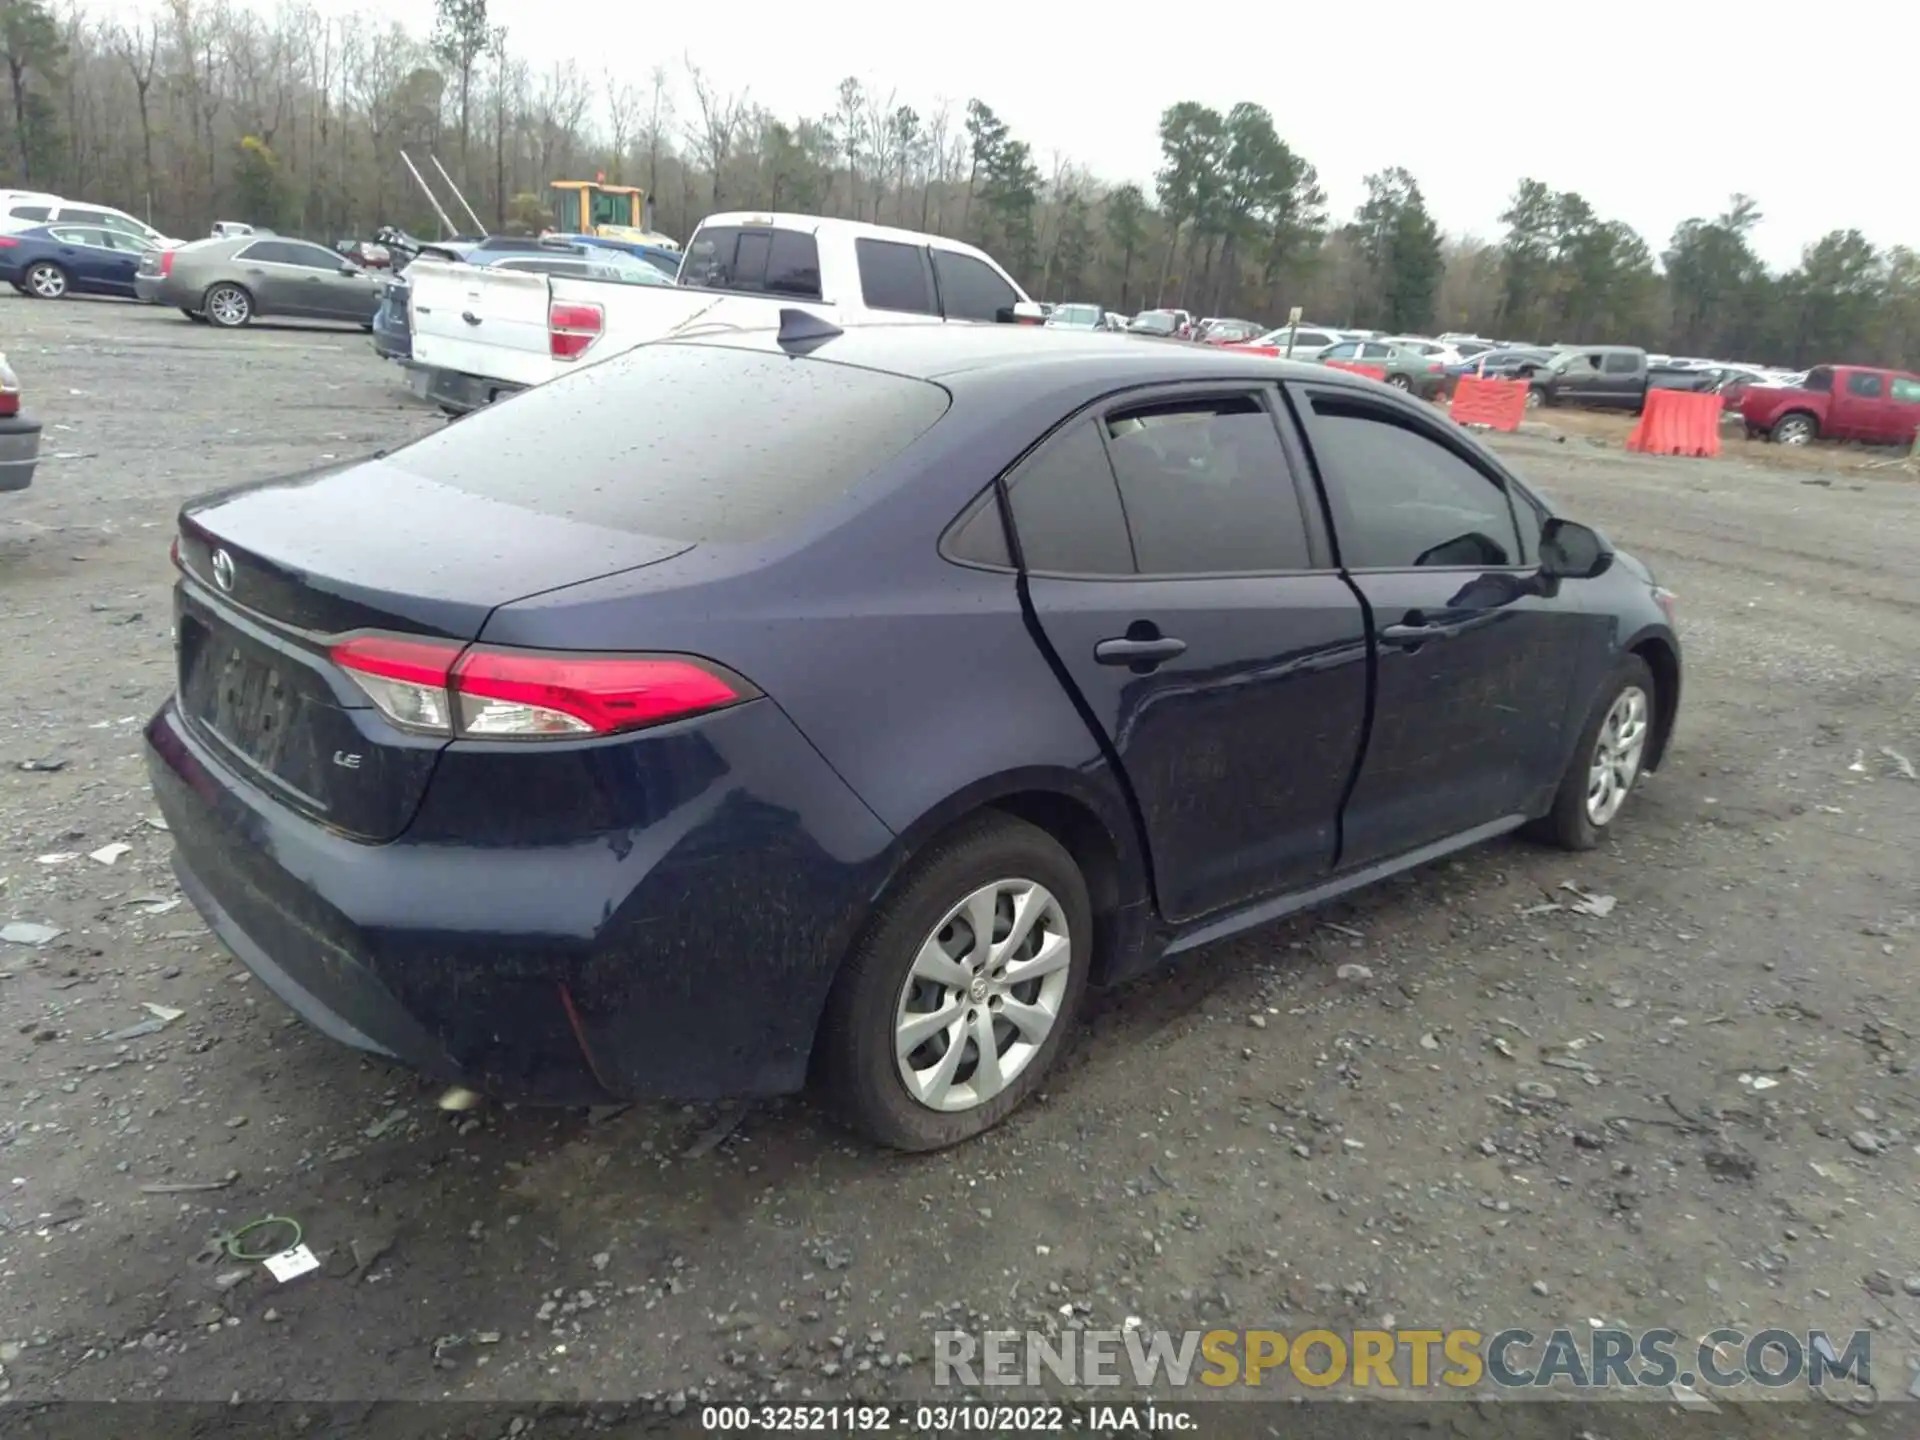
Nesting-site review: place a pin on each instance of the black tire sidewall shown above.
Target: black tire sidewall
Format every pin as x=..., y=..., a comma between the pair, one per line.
x=857, y=1060
x=1572, y=827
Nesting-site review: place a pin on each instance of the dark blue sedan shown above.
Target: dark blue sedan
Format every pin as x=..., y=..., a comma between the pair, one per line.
x=50, y=262
x=758, y=708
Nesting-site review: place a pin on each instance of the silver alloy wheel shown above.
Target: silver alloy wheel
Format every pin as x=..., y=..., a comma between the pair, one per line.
x=1616, y=755
x=1794, y=430
x=1533, y=398
x=1399, y=382
x=983, y=996
x=228, y=306
x=49, y=282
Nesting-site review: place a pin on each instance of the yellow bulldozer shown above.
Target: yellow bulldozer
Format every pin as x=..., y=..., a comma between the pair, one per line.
x=612, y=212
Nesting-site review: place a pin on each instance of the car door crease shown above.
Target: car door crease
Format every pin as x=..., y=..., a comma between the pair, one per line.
x=1030, y=617
x=1366, y=615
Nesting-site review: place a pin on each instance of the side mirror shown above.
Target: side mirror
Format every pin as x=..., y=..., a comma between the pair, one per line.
x=349, y=269
x=1022, y=312
x=1572, y=551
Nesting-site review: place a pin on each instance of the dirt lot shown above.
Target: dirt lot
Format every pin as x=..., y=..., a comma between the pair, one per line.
x=1517, y=1115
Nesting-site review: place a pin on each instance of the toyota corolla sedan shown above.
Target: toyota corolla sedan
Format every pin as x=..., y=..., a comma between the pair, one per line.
x=752, y=710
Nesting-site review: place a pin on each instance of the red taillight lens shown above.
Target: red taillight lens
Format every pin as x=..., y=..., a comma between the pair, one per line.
x=572, y=328
x=173, y=554
x=166, y=263
x=1435, y=368
x=7, y=242
x=1666, y=600
x=9, y=402
x=501, y=694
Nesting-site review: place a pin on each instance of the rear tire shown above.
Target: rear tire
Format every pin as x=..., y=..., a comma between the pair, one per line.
x=1798, y=428
x=1399, y=382
x=918, y=959
x=1614, y=740
x=228, y=306
x=48, y=281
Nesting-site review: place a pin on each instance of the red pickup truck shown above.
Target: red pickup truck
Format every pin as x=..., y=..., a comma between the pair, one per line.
x=1837, y=402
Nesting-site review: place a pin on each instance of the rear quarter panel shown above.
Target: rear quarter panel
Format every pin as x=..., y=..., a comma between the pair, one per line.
x=915, y=677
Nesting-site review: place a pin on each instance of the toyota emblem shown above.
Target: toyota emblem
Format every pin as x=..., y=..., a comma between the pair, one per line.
x=223, y=570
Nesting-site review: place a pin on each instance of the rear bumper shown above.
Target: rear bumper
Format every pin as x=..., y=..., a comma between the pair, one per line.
x=19, y=452
x=461, y=393
x=675, y=940
x=150, y=288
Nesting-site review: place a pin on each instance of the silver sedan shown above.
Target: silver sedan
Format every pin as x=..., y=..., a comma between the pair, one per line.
x=230, y=280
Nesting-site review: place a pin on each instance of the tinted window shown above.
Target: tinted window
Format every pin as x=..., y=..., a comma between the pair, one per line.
x=1401, y=499
x=1865, y=385
x=981, y=538
x=1907, y=392
x=1618, y=363
x=1819, y=378
x=968, y=289
x=83, y=216
x=894, y=277
x=793, y=265
x=1066, y=510
x=684, y=442
x=1206, y=488
x=750, y=258
x=1345, y=350
x=1373, y=350
x=1308, y=339
x=291, y=252
x=68, y=236
x=29, y=212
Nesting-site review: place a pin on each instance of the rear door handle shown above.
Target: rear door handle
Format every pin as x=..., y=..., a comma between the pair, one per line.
x=1139, y=652
x=1408, y=636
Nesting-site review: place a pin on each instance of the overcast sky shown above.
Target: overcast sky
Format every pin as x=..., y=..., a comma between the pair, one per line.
x=1653, y=112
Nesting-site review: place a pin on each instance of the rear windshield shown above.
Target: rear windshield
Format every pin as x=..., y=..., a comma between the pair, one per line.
x=684, y=442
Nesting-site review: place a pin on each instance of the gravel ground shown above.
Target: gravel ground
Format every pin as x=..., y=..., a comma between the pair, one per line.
x=1694, y=1110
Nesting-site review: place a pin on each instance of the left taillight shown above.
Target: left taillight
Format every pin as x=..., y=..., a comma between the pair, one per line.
x=494, y=693
x=573, y=327
x=166, y=263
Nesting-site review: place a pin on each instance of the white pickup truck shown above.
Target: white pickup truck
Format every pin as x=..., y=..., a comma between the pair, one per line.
x=481, y=333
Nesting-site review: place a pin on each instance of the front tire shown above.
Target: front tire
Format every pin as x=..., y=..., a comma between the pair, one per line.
x=930, y=1036
x=227, y=306
x=1606, y=763
x=47, y=281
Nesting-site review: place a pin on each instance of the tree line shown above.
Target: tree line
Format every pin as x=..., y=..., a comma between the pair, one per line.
x=204, y=109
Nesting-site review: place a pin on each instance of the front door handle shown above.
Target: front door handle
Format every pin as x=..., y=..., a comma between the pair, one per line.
x=1139, y=652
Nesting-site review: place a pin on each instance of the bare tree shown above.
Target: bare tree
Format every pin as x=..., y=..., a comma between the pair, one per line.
x=138, y=47
x=623, y=106
x=721, y=117
x=877, y=125
x=659, y=116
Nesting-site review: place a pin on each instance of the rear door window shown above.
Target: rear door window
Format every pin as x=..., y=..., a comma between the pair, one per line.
x=1066, y=508
x=895, y=276
x=756, y=261
x=1865, y=384
x=970, y=290
x=1207, y=488
x=1617, y=363
x=690, y=442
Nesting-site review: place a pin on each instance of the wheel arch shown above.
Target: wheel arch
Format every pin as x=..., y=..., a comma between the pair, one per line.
x=1662, y=657
x=1795, y=412
x=1088, y=817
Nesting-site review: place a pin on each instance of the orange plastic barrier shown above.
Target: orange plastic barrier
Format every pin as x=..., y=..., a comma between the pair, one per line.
x=1372, y=372
x=1496, y=404
x=1678, y=422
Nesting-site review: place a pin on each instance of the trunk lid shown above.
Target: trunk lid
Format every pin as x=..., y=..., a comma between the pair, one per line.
x=480, y=321
x=273, y=573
